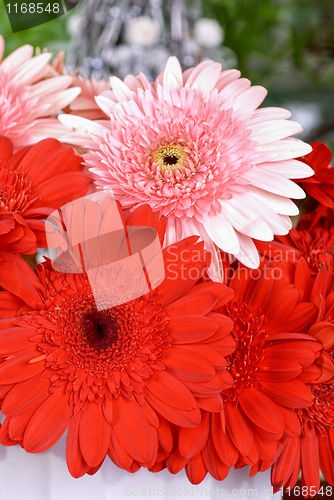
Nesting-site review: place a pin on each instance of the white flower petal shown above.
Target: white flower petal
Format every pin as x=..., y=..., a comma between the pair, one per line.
x=274, y=130
x=122, y=91
x=206, y=80
x=274, y=183
x=221, y=232
x=84, y=127
x=16, y=58
x=245, y=220
x=50, y=85
x=248, y=254
x=26, y=73
x=107, y=105
x=228, y=76
x=173, y=73
x=285, y=149
x=264, y=114
x=291, y=169
x=278, y=224
x=280, y=204
x=191, y=74
x=249, y=100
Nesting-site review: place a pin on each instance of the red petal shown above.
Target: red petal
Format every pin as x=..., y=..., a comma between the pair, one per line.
x=94, y=434
x=118, y=455
x=310, y=458
x=61, y=189
x=186, y=365
x=223, y=444
x=216, y=467
x=209, y=388
x=283, y=301
x=47, y=424
x=279, y=369
x=239, y=429
x=18, y=424
x=18, y=367
x=299, y=318
x=175, y=462
x=196, y=470
x=262, y=411
x=170, y=391
x=199, y=304
x=75, y=461
x=223, y=293
x=184, y=418
x=26, y=396
x=259, y=291
x=293, y=394
x=324, y=333
x=17, y=277
x=326, y=459
x=6, y=149
x=191, y=441
x=52, y=164
x=291, y=422
x=326, y=365
x=189, y=329
x=287, y=463
x=303, y=278
x=211, y=404
x=34, y=153
x=165, y=435
x=133, y=431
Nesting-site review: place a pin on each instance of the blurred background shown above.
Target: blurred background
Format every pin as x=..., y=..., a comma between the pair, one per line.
x=285, y=45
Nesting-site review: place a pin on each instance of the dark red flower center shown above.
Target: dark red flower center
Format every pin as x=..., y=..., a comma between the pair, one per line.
x=101, y=329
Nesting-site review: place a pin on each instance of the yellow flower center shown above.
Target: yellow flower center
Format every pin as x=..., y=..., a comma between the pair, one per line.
x=169, y=157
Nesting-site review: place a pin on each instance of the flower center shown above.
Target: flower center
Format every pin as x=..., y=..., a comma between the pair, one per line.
x=321, y=413
x=250, y=340
x=14, y=191
x=101, y=329
x=314, y=245
x=171, y=164
x=169, y=157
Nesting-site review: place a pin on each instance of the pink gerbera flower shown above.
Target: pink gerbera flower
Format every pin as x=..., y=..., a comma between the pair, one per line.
x=26, y=100
x=195, y=147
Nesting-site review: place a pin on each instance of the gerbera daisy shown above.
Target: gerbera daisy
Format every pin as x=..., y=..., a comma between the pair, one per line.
x=270, y=366
x=33, y=182
x=320, y=186
x=26, y=100
x=312, y=238
x=110, y=376
x=195, y=147
x=314, y=448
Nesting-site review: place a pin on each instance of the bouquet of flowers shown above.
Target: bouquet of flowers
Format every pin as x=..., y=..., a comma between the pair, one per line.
x=227, y=360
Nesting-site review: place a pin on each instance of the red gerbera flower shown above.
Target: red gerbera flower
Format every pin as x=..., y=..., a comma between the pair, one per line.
x=320, y=185
x=32, y=182
x=113, y=376
x=270, y=367
x=312, y=238
x=314, y=448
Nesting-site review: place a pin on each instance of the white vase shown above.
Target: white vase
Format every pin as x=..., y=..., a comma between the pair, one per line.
x=44, y=476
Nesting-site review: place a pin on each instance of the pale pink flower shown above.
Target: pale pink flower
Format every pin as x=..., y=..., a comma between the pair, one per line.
x=28, y=98
x=195, y=147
